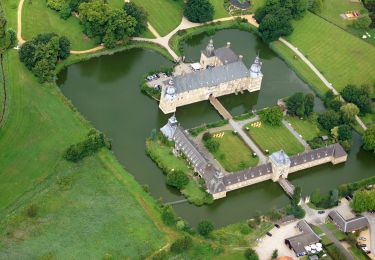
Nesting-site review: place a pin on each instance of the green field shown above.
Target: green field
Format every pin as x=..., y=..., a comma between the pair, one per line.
x=334, y=8
x=81, y=205
x=38, y=18
x=275, y=138
x=220, y=11
x=299, y=67
x=163, y=156
x=164, y=15
x=233, y=154
x=340, y=56
x=305, y=127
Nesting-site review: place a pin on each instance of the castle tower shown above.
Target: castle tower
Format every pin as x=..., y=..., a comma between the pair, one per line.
x=169, y=129
x=208, y=55
x=280, y=165
x=256, y=75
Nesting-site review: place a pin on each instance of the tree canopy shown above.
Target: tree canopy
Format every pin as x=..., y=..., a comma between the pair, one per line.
x=348, y=112
x=363, y=200
x=300, y=105
x=359, y=96
x=177, y=179
x=140, y=15
x=250, y=254
x=329, y=119
x=40, y=54
x=199, y=11
x=106, y=24
x=205, y=227
x=369, y=139
x=271, y=116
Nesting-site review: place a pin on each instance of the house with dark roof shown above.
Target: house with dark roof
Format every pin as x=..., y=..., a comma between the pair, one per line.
x=306, y=238
x=348, y=225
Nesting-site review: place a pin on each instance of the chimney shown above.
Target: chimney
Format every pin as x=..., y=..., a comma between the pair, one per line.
x=240, y=57
x=228, y=44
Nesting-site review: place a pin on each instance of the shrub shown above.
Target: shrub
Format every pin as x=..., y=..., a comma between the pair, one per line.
x=271, y=116
x=168, y=216
x=250, y=254
x=95, y=140
x=369, y=139
x=212, y=145
x=199, y=11
x=177, y=179
x=206, y=136
x=32, y=211
x=181, y=244
x=205, y=227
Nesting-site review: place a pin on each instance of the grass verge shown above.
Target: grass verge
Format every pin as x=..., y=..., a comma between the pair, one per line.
x=305, y=127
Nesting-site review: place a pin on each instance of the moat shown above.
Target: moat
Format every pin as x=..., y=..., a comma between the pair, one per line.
x=106, y=91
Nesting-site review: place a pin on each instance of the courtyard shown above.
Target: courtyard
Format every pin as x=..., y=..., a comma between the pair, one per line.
x=233, y=154
x=274, y=138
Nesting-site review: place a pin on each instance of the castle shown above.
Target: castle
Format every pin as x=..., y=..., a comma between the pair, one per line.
x=277, y=169
x=223, y=73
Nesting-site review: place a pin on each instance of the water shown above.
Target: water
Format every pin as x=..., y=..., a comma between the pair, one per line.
x=106, y=91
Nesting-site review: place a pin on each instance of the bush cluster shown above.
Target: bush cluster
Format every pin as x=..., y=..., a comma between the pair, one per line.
x=350, y=188
x=300, y=105
x=199, y=11
x=182, y=244
x=271, y=116
x=364, y=200
x=41, y=54
x=8, y=37
x=177, y=179
x=94, y=141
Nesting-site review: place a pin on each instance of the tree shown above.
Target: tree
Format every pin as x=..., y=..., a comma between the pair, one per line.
x=275, y=254
x=369, y=139
x=363, y=200
x=317, y=6
x=363, y=22
x=106, y=24
x=344, y=133
x=212, y=145
x=296, y=195
x=177, y=179
x=168, y=216
x=250, y=254
x=181, y=244
x=333, y=198
x=205, y=227
x=329, y=119
x=294, y=103
x=271, y=116
x=275, y=25
x=199, y=11
x=309, y=104
x=299, y=8
x=64, y=45
x=140, y=15
x=359, y=96
x=348, y=112
x=316, y=197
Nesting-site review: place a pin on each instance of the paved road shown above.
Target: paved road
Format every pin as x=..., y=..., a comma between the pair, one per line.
x=247, y=121
x=297, y=135
x=337, y=243
x=237, y=127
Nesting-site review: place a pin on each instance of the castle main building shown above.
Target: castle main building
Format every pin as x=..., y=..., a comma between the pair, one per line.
x=223, y=73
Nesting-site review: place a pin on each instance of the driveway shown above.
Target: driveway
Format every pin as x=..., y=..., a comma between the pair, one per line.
x=267, y=245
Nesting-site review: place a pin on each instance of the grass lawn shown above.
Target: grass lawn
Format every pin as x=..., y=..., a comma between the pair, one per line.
x=165, y=159
x=79, y=205
x=305, y=127
x=340, y=56
x=233, y=154
x=358, y=253
x=38, y=18
x=275, y=138
x=334, y=8
x=220, y=11
x=164, y=15
x=298, y=66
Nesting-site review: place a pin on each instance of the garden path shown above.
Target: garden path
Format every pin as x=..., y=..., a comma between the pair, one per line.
x=296, y=134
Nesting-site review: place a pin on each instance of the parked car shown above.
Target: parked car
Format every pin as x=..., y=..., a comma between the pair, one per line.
x=362, y=245
x=269, y=234
x=362, y=238
x=277, y=225
x=321, y=212
x=348, y=198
